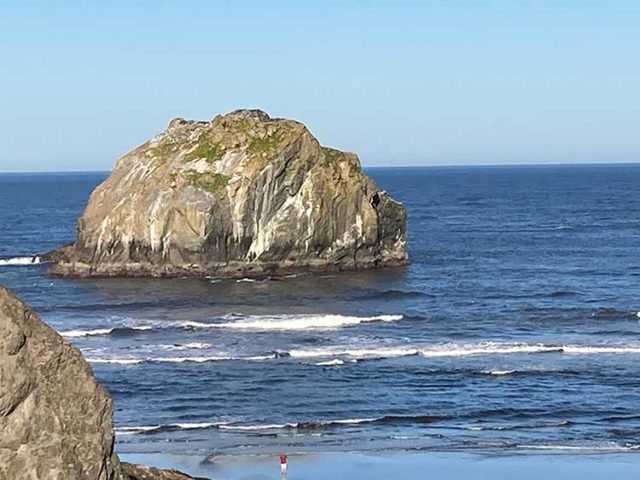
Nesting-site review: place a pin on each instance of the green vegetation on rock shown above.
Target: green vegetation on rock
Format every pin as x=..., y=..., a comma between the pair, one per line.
x=258, y=146
x=240, y=125
x=207, y=149
x=211, y=182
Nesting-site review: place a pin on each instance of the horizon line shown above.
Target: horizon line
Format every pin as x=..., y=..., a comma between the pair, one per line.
x=405, y=166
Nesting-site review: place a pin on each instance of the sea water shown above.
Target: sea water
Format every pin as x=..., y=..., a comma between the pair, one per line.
x=514, y=329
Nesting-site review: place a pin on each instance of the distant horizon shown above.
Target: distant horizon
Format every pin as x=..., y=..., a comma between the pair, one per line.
x=374, y=167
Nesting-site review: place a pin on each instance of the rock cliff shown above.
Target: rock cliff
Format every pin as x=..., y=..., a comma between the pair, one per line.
x=55, y=419
x=241, y=195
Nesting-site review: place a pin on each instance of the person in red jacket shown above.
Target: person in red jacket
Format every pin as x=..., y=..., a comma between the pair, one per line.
x=283, y=465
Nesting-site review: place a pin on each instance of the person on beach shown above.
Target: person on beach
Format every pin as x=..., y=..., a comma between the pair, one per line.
x=283, y=465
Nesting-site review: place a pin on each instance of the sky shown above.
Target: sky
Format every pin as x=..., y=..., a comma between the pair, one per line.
x=450, y=82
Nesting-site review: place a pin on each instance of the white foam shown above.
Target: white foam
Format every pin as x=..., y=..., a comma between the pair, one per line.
x=279, y=426
x=151, y=428
x=256, y=322
x=274, y=426
x=361, y=353
x=135, y=361
x=192, y=324
x=331, y=363
x=258, y=358
x=589, y=350
x=339, y=355
x=134, y=430
x=212, y=358
x=441, y=350
x=488, y=348
x=350, y=421
x=246, y=280
x=192, y=426
x=99, y=331
x=294, y=322
x=186, y=346
x=116, y=361
x=498, y=372
x=20, y=261
x=239, y=427
x=585, y=448
x=86, y=333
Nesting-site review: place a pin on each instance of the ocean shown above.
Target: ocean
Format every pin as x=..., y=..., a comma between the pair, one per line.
x=515, y=329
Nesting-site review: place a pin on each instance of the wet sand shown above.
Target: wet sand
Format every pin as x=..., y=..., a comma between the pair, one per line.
x=449, y=466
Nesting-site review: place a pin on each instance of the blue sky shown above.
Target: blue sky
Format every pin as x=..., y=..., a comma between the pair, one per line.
x=398, y=82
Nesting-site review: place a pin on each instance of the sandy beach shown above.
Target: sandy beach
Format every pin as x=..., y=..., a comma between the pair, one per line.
x=441, y=466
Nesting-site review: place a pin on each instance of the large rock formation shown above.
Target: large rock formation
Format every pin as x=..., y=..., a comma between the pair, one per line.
x=241, y=195
x=55, y=419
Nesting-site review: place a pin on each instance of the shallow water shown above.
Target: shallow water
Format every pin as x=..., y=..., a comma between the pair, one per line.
x=515, y=328
x=382, y=466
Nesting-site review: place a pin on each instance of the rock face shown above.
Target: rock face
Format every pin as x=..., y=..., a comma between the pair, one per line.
x=55, y=419
x=242, y=195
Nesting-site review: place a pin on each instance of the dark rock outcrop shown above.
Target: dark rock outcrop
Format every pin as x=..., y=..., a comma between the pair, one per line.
x=242, y=195
x=55, y=419
x=142, y=472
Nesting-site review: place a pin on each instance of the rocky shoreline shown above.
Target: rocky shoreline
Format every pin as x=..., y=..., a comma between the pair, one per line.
x=244, y=195
x=66, y=266
x=55, y=418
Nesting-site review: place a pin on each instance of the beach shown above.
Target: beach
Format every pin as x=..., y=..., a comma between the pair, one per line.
x=437, y=466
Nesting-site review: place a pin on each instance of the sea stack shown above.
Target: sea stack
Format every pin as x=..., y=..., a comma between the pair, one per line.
x=241, y=195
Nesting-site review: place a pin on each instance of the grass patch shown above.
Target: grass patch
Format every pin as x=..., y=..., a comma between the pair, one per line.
x=206, y=149
x=241, y=125
x=211, y=182
x=258, y=146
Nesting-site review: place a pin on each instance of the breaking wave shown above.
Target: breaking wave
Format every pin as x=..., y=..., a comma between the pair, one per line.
x=524, y=426
x=461, y=350
x=116, y=361
x=20, y=261
x=258, y=322
x=165, y=428
x=499, y=372
x=294, y=322
x=105, y=331
x=341, y=355
x=137, y=361
x=331, y=363
x=300, y=426
x=185, y=346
